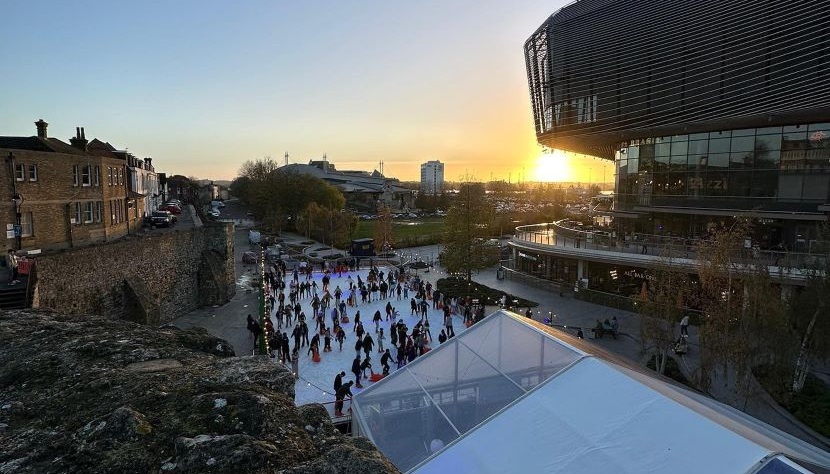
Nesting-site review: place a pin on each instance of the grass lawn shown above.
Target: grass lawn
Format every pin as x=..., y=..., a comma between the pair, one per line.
x=407, y=232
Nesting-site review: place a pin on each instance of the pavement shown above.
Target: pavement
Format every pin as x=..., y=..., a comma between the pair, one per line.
x=565, y=313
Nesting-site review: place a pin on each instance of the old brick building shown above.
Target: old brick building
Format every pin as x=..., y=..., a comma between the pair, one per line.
x=59, y=195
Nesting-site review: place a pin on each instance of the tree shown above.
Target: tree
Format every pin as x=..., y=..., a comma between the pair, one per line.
x=662, y=307
x=330, y=226
x=384, y=237
x=744, y=321
x=466, y=228
x=278, y=196
x=808, y=313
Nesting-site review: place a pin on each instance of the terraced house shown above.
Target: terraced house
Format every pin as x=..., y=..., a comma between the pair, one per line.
x=62, y=195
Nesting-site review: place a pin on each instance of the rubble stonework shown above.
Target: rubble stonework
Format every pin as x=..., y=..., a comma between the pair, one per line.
x=89, y=394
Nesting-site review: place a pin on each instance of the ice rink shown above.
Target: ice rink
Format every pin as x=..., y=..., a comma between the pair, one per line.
x=315, y=379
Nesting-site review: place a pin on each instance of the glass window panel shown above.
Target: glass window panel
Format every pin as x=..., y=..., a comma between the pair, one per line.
x=678, y=163
x=720, y=145
x=633, y=165
x=795, y=141
x=748, y=132
x=660, y=185
x=767, y=159
x=717, y=183
x=646, y=157
x=721, y=134
x=695, y=183
x=633, y=152
x=764, y=183
x=789, y=186
x=662, y=149
x=699, y=136
x=816, y=187
x=743, y=143
x=794, y=128
x=768, y=131
x=742, y=160
x=768, y=142
x=697, y=163
x=739, y=183
x=677, y=184
x=661, y=164
x=699, y=147
x=680, y=138
x=679, y=148
x=718, y=161
x=819, y=126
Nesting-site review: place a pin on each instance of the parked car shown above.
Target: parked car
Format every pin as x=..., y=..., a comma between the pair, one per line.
x=169, y=206
x=161, y=219
x=213, y=213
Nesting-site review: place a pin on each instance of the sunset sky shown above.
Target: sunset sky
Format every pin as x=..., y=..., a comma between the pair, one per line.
x=202, y=86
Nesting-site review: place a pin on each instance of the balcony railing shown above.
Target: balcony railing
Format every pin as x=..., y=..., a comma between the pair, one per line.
x=561, y=234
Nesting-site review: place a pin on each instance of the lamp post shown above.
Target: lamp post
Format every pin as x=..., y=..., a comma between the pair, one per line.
x=18, y=201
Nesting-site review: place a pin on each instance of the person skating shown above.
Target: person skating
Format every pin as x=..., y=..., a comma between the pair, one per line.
x=384, y=361
x=358, y=346
x=341, y=336
x=381, y=337
x=356, y=371
x=368, y=344
x=442, y=338
x=366, y=364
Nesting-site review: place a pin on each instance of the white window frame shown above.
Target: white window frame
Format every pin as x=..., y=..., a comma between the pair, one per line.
x=96, y=176
x=19, y=172
x=109, y=175
x=89, y=212
x=32, y=172
x=26, y=224
x=99, y=210
x=78, y=220
x=86, y=176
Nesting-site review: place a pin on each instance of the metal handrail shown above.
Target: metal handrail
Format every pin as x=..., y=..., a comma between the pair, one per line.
x=557, y=234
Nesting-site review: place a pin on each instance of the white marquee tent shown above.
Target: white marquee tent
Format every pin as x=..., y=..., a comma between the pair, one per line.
x=511, y=395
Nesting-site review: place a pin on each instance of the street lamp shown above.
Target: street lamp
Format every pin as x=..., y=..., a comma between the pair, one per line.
x=17, y=198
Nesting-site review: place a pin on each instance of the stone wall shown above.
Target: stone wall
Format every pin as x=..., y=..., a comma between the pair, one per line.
x=149, y=279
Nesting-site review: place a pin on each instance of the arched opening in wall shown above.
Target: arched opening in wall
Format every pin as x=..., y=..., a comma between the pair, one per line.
x=139, y=305
x=215, y=285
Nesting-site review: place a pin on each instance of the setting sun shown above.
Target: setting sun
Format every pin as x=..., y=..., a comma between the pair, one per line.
x=553, y=166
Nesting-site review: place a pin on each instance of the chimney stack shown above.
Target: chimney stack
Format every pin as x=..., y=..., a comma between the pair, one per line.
x=148, y=164
x=79, y=140
x=41, y=128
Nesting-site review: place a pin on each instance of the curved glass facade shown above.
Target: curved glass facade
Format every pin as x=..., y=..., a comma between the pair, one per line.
x=773, y=168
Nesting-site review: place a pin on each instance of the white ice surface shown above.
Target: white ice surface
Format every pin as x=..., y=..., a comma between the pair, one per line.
x=316, y=379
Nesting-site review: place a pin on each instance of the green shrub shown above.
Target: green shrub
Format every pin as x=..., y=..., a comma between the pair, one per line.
x=456, y=287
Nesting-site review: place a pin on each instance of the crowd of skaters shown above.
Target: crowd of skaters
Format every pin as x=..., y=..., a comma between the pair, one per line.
x=295, y=301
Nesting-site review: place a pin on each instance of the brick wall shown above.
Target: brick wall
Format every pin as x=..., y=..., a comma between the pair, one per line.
x=152, y=278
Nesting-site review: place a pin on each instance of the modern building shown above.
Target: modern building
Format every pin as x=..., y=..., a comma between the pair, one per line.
x=364, y=191
x=432, y=177
x=709, y=110
x=62, y=195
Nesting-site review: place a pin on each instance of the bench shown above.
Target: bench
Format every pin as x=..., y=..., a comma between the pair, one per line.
x=599, y=333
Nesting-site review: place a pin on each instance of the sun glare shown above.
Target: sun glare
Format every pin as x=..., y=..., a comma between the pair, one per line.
x=553, y=167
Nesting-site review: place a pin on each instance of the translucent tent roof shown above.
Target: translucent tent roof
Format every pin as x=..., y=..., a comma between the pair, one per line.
x=510, y=395
x=456, y=386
